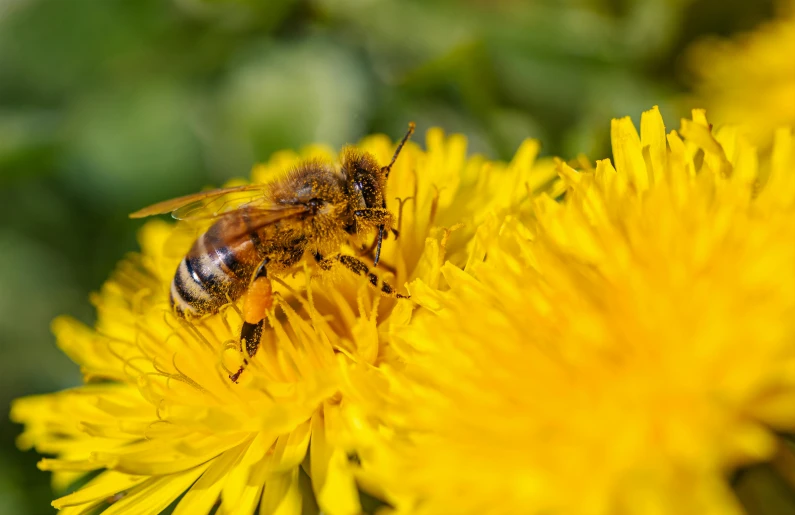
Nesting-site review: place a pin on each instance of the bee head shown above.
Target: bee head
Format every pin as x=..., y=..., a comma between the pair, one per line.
x=366, y=180
x=366, y=189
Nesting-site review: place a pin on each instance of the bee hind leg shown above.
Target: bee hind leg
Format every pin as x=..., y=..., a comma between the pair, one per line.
x=259, y=299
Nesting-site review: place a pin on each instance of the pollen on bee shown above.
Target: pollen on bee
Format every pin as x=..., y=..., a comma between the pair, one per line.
x=258, y=301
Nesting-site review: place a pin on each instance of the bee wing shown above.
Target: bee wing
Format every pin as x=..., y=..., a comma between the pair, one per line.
x=181, y=238
x=256, y=218
x=186, y=232
x=206, y=204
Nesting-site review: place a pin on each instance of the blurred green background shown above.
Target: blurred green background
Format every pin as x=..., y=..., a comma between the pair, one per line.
x=109, y=105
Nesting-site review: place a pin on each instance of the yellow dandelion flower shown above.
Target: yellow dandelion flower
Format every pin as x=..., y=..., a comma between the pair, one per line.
x=624, y=352
x=158, y=418
x=750, y=80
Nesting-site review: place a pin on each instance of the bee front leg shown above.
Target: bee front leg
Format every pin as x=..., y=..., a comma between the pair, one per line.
x=380, y=216
x=258, y=300
x=375, y=215
x=358, y=267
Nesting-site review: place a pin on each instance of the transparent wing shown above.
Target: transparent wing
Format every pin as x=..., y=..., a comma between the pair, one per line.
x=207, y=205
x=245, y=221
x=237, y=226
x=181, y=238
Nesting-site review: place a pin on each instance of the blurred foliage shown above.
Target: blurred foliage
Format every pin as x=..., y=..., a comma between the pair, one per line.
x=106, y=106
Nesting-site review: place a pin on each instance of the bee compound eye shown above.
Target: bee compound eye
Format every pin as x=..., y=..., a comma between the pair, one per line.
x=368, y=192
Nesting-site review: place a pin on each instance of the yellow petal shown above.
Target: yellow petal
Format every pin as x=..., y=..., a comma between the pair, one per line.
x=332, y=479
x=652, y=135
x=701, y=136
x=158, y=457
x=73, y=465
x=88, y=349
x=426, y=296
x=243, y=484
x=100, y=488
x=627, y=153
x=205, y=492
x=780, y=188
x=282, y=495
x=78, y=510
x=745, y=166
x=156, y=494
x=522, y=168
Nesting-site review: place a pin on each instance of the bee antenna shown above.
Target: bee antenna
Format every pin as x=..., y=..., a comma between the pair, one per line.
x=388, y=167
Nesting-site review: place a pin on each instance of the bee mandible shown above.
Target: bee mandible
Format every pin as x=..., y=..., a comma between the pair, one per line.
x=259, y=230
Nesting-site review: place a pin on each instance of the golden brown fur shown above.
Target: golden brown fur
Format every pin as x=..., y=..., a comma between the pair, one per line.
x=321, y=206
x=313, y=208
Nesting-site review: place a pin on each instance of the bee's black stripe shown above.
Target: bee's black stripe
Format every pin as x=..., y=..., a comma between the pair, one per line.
x=190, y=265
x=194, y=292
x=174, y=304
x=213, y=244
x=181, y=288
x=205, y=272
x=227, y=257
x=257, y=242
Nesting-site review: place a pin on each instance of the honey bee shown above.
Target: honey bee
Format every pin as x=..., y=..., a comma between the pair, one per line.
x=262, y=230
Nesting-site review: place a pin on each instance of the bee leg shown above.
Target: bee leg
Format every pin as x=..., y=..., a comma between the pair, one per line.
x=374, y=214
x=356, y=266
x=380, y=216
x=323, y=263
x=258, y=301
x=368, y=250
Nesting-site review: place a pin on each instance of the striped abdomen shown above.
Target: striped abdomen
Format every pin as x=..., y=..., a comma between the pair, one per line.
x=214, y=271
